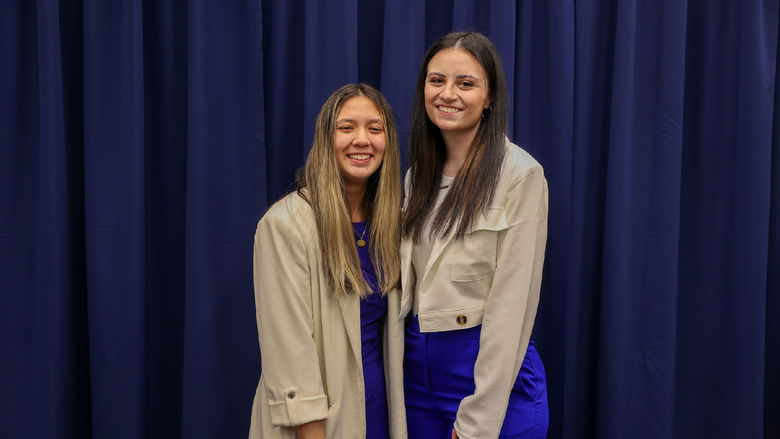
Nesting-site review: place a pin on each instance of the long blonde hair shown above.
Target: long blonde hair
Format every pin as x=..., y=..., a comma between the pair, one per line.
x=320, y=183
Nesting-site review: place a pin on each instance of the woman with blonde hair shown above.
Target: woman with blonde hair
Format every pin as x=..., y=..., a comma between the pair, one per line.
x=326, y=267
x=474, y=233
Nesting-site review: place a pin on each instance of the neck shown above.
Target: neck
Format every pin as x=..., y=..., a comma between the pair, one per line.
x=355, y=194
x=458, y=145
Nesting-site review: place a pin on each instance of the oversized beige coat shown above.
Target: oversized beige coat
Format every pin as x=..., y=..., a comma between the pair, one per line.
x=309, y=340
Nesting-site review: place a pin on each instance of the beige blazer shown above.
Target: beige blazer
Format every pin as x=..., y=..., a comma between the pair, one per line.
x=490, y=276
x=310, y=341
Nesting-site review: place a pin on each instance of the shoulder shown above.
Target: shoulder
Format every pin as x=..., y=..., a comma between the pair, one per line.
x=521, y=175
x=292, y=211
x=518, y=163
x=520, y=171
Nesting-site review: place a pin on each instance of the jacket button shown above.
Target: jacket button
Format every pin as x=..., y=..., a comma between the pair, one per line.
x=291, y=395
x=461, y=319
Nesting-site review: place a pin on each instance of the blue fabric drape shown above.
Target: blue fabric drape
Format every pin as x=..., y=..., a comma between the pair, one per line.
x=141, y=141
x=133, y=173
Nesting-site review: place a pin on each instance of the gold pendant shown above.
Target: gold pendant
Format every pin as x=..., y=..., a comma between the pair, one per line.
x=361, y=243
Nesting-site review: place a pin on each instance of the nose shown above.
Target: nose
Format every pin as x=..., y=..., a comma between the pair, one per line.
x=447, y=92
x=361, y=137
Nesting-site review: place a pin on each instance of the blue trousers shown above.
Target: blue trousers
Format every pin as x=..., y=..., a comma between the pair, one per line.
x=439, y=373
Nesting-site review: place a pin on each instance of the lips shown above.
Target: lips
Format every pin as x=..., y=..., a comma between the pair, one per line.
x=360, y=157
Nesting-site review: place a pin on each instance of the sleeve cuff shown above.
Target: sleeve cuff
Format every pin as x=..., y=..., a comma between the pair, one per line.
x=298, y=410
x=461, y=435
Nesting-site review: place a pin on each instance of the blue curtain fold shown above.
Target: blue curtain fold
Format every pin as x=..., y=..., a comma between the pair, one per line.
x=141, y=141
x=133, y=173
x=724, y=218
x=772, y=311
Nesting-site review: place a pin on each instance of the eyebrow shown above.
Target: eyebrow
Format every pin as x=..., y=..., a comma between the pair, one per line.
x=344, y=120
x=456, y=77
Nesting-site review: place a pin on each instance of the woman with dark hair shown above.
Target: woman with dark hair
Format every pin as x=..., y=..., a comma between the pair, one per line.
x=326, y=267
x=474, y=230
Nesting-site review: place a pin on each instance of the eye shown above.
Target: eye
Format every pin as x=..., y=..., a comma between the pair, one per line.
x=466, y=84
x=436, y=80
x=345, y=128
x=376, y=129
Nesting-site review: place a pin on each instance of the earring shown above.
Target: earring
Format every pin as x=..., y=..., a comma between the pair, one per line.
x=487, y=112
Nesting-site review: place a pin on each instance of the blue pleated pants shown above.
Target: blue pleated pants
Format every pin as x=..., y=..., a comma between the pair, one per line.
x=439, y=373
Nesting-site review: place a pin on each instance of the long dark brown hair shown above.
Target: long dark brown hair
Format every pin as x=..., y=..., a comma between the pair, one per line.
x=320, y=183
x=474, y=185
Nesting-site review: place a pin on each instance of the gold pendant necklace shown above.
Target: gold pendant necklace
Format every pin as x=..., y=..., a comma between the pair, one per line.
x=360, y=242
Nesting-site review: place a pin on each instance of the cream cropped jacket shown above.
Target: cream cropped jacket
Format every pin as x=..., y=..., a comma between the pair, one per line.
x=310, y=341
x=490, y=276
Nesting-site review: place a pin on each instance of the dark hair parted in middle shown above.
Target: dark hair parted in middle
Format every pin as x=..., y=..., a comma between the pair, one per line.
x=474, y=185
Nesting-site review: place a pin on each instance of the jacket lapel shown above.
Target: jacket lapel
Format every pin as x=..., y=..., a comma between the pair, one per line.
x=350, y=312
x=406, y=277
x=406, y=268
x=438, y=247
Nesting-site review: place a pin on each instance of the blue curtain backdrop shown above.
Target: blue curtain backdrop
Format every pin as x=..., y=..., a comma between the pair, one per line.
x=141, y=141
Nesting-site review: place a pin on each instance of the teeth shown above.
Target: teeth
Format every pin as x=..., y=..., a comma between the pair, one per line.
x=358, y=156
x=448, y=109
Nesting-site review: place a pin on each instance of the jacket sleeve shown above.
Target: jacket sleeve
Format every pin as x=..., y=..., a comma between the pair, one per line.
x=283, y=300
x=511, y=307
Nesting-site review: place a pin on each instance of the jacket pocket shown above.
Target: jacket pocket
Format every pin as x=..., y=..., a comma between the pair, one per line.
x=494, y=219
x=467, y=276
x=473, y=259
x=478, y=248
x=472, y=282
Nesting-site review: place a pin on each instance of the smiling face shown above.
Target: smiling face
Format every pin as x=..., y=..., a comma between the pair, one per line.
x=456, y=92
x=359, y=141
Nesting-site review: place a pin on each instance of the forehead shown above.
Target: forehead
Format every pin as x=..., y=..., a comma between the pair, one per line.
x=455, y=61
x=359, y=107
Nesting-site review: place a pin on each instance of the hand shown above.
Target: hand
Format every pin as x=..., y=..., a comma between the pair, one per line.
x=454, y=433
x=311, y=430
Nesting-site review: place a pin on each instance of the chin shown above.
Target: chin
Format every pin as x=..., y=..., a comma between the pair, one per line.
x=359, y=179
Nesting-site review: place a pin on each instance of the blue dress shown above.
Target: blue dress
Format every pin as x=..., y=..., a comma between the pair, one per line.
x=373, y=309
